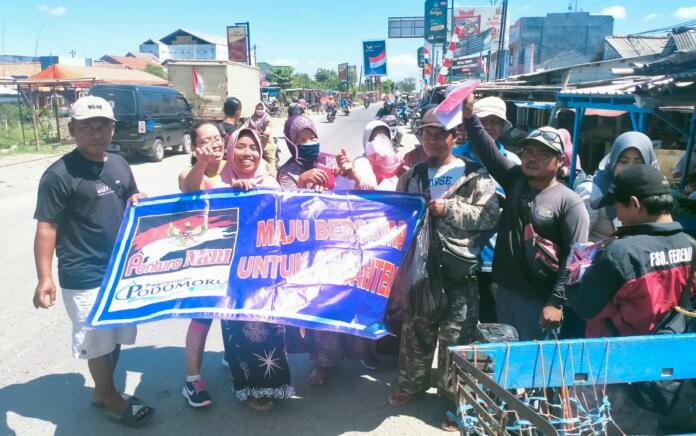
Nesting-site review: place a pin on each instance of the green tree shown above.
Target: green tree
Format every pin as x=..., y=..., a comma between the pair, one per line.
x=326, y=78
x=387, y=85
x=282, y=76
x=406, y=85
x=156, y=70
x=304, y=80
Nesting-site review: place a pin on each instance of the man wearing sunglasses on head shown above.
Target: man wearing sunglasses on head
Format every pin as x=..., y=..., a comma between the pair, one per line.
x=541, y=220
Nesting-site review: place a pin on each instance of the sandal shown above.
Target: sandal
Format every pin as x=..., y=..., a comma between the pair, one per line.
x=449, y=426
x=261, y=404
x=136, y=414
x=398, y=398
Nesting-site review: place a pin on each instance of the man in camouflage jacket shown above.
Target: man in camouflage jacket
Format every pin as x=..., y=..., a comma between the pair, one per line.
x=463, y=203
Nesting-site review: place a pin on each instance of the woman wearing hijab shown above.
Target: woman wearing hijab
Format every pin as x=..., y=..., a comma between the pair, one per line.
x=630, y=148
x=260, y=121
x=300, y=171
x=379, y=167
x=304, y=169
x=255, y=350
x=567, y=160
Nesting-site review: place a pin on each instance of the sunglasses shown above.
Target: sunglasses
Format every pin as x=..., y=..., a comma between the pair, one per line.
x=549, y=136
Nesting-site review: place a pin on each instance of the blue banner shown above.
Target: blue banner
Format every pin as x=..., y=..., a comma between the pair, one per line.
x=375, y=58
x=324, y=261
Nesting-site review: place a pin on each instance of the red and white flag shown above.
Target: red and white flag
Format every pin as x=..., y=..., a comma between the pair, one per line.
x=379, y=60
x=198, y=85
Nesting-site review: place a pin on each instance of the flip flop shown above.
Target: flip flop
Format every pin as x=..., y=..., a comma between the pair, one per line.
x=134, y=415
x=265, y=406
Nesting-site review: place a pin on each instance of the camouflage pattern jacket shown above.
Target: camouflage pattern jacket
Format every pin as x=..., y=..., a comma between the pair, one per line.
x=472, y=210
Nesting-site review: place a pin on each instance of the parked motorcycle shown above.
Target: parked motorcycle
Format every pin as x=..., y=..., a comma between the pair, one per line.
x=414, y=120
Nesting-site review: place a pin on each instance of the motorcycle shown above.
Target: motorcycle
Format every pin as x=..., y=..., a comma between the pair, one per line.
x=366, y=103
x=393, y=122
x=346, y=110
x=414, y=120
x=331, y=114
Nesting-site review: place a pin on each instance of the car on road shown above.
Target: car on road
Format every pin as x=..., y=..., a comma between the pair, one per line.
x=149, y=119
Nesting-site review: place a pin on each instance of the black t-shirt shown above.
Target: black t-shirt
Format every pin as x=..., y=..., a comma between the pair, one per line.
x=226, y=128
x=75, y=194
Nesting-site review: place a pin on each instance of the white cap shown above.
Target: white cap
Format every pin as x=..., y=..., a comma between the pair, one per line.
x=91, y=107
x=492, y=106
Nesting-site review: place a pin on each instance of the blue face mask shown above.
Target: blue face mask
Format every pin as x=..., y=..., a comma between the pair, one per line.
x=308, y=153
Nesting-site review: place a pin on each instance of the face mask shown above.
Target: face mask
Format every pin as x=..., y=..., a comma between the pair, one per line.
x=260, y=113
x=308, y=153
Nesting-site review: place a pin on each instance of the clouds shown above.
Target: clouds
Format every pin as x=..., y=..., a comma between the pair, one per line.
x=650, y=17
x=57, y=11
x=402, y=65
x=686, y=13
x=618, y=12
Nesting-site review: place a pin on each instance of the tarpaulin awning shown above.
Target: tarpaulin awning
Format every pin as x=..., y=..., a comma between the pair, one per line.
x=99, y=75
x=543, y=105
x=603, y=113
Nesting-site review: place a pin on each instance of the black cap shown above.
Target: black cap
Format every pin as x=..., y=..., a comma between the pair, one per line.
x=638, y=181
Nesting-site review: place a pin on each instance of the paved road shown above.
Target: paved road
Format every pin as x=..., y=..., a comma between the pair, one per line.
x=44, y=391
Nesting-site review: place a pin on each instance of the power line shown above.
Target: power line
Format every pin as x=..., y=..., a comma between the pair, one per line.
x=691, y=23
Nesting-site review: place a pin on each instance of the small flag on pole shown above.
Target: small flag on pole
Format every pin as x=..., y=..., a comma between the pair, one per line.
x=198, y=85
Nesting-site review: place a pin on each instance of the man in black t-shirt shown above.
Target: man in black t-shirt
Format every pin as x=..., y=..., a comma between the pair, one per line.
x=81, y=201
x=233, y=114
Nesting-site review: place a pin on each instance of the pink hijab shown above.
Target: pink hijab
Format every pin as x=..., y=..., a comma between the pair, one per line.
x=568, y=154
x=231, y=171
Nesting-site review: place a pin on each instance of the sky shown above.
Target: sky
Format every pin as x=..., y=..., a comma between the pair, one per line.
x=305, y=34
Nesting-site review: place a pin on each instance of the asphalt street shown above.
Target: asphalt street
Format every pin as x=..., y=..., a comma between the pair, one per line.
x=44, y=391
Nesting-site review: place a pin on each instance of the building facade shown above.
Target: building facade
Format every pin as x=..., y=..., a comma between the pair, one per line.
x=557, y=40
x=187, y=45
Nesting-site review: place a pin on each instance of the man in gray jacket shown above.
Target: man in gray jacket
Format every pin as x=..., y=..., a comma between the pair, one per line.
x=464, y=206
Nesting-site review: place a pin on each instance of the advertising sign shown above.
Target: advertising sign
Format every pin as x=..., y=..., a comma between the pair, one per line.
x=436, y=21
x=343, y=73
x=421, y=57
x=292, y=258
x=237, y=44
x=478, y=23
x=375, y=58
x=352, y=73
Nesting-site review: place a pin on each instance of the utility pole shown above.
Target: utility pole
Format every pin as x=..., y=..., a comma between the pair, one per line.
x=500, y=62
x=72, y=53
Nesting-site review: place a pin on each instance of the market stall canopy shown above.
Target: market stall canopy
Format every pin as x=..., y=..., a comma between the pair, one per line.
x=85, y=75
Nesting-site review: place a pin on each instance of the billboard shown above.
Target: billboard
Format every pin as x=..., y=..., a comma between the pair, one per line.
x=480, y=26
x=352, y=73
x=405, y=27
x=421, y=57
x=237, y=44
x=375, y=57
x=343, y=73
x=436, y=21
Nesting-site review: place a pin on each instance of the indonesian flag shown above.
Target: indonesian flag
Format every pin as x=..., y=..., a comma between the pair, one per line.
x=379, y=60
x=198, y=85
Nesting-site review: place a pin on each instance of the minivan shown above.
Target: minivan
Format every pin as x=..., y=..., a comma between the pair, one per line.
x=149, y=119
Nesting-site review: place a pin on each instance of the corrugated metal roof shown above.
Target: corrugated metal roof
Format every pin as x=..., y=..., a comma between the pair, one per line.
x=632, y=46
x=213, y=39
x=685, y=41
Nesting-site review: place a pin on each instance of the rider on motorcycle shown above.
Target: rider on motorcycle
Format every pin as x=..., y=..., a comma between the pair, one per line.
x=387, y=109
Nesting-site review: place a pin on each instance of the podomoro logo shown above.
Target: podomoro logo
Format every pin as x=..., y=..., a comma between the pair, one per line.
x=135, y=292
